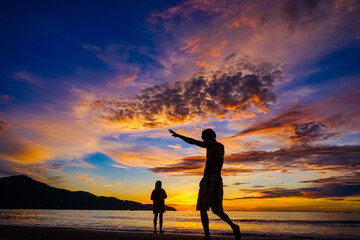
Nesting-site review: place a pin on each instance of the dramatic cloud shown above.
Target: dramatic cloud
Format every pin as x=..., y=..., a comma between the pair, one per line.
x=310, y=133
x=325, y=191
x=304, y=127
x=352, y=179
x=315, y=158
x=297, y=14
x=339, y=158
x=186, y=71
x=192, y=166
x=231, y=92
x=187, y=166
x=20, y=150
x=290, y=30
x=336, y=187
x=50, y=135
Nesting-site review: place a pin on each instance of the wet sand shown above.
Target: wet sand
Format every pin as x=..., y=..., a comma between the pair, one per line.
x=51, y=233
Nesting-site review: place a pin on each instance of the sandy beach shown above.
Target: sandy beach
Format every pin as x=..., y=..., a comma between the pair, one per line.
x=51, y=233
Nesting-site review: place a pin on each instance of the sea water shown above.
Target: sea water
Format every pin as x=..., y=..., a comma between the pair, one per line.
x=317, y=225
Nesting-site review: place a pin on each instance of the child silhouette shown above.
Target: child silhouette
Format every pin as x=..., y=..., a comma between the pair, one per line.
x=158, y=196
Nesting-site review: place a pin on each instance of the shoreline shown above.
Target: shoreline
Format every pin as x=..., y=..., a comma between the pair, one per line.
x=15, y=232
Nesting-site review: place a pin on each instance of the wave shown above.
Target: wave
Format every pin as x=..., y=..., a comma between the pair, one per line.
x=255, y=221
x=313, y=222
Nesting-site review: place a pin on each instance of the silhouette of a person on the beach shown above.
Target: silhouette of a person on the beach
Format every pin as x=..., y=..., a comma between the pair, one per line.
x=211, y=186
x=158, y=196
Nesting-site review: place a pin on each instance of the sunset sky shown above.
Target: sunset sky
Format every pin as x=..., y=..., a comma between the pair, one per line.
x=89, y=89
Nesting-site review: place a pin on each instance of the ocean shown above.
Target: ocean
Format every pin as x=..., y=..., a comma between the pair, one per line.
x=316, y=225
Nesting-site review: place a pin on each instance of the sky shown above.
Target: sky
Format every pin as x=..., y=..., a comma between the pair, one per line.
x=89, y=89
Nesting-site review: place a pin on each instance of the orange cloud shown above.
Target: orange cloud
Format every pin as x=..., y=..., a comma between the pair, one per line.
x=202, y=64
x=20, y=150
x=51, y=135
x=176, y=147
x=343, y=158
x=196, y=99
x=85, y=178
x=243, y=21
x=117, y=184
x=215, y=50
x=201, y=45
x=193, y=44
x=145, y=157
x=302, y=125
x=203, y=48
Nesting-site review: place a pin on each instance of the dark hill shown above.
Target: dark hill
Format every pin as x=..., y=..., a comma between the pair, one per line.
x=23, y=192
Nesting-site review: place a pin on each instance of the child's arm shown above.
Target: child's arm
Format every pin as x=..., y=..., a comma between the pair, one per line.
x=189, y=140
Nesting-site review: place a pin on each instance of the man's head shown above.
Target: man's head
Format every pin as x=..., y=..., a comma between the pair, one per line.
x=208, y=135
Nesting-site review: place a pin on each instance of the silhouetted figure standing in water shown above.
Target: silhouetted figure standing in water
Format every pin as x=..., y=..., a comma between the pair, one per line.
x=211, y=186
x=158, y=196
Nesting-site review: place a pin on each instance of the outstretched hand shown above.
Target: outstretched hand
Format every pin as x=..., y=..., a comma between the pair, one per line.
x=173, y=133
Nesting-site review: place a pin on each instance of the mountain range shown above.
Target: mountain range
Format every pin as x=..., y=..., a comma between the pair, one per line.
x=23, y=192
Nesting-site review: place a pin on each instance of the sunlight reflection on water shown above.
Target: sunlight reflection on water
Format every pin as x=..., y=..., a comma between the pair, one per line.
x=333, y=225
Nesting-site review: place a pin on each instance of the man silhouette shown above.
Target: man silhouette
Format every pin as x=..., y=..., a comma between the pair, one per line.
x=211, y=186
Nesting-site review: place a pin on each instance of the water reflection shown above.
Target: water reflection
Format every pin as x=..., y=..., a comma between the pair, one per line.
x=315, y=224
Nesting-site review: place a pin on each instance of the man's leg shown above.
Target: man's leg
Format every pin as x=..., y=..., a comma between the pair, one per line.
x=205, y=223
x=223, y=216
x=161, y=222
x=155, y=221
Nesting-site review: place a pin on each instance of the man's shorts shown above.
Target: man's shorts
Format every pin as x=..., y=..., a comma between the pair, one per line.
x=210, y=193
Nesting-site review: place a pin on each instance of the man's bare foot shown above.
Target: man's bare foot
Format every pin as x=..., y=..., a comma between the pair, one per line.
x=237, y=233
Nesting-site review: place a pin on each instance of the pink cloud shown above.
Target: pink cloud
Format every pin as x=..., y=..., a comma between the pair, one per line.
x=202, y=64
x=121, y=81
x=215, y=50
x=4, y=98
x=3, y=126
x=24, y=76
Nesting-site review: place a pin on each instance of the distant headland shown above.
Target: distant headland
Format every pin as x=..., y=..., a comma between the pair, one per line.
x=23, y=192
